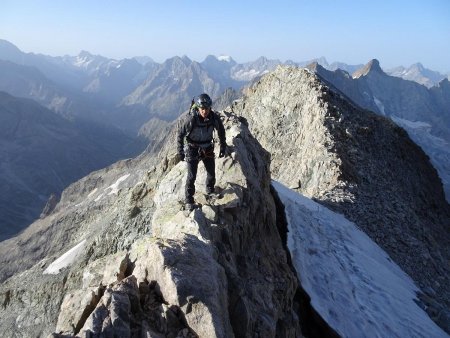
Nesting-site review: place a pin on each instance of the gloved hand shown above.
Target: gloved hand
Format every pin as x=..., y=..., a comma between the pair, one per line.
x=181, y=156
x=222, y=151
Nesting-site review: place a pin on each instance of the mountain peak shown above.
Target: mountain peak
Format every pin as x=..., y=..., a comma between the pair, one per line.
x=8, y=51
x=9, y=45
x=178, y=60
x=315, y=67
x=186, y=60
x=225, y=58
x=85, y=54
x=373, y=66
x=221, y=58
x=444, y=83
x=418, y=66
x=210, y=58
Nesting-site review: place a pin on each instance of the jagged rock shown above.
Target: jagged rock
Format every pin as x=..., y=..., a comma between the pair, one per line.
x=423, y=112
x=221, y=271
x=356, y=163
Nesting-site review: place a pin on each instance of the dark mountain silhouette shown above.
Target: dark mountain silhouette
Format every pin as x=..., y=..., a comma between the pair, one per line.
x=42, y=153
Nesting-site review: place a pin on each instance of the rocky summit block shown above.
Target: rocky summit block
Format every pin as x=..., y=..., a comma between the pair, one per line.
x=218, y=271
x=359, y=164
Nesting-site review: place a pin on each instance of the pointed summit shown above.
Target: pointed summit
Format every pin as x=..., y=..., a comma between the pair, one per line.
x=222, y=60
x=315, y=67
x=418, y=66
x=444, y=84
x=226, y=58
x=85, y=54
x=373, y=66
x=10, y=52
x=186, y=60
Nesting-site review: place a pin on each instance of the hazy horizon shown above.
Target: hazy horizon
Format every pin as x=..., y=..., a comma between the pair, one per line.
x=399, y=33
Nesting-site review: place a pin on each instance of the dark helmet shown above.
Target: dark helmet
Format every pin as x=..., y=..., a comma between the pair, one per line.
x=204, y=101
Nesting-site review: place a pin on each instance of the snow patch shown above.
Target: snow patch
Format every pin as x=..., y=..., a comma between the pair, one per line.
x=243, y=75
x=380, y=105
x=66, y=259
x=411, y=124
x=352, y=282
x=92, y=193
x=224, y=58
x=82, y=62
x=115, y=187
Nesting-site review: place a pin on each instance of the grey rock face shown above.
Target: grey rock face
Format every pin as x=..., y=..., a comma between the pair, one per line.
x=146, y=268
x=404, y=101
x=373, y=89
x=357, y=163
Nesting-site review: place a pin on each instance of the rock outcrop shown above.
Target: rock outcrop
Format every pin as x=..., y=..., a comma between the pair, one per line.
x=140, y=266
x=423, y=112
x=359, y=164
x=117, y=256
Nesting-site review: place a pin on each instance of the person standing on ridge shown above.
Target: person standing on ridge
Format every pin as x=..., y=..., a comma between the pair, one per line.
x=198, y=128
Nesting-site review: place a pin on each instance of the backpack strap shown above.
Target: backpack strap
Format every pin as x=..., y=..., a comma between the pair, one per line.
x=192, y=121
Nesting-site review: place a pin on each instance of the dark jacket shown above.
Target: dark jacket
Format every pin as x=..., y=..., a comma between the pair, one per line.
x=199, y=132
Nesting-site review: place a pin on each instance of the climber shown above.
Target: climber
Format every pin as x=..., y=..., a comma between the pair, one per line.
x=198, y=127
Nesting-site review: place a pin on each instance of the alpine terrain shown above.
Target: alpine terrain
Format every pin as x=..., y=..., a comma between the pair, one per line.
x=42, y=153
x=361, y=165
x=424, y=113
x=117, y=256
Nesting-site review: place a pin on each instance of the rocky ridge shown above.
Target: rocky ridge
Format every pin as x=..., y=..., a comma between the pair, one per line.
x=140, y=266
x=359, y=164
x=409, y=104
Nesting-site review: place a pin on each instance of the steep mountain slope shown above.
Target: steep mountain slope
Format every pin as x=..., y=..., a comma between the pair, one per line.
x=117, y=255
x=359, y=164
x=169, y=89
x=388, y=95
x=220, y=70
x=117, y=81
x=139, y=266
x=29, y=82
x=107, y=79
x=250, y=70
x=352, y=282
x=42, y=153
x=405, y=101
x=54, y=68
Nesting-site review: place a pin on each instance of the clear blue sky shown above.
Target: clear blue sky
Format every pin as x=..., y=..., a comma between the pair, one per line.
x=396, y=32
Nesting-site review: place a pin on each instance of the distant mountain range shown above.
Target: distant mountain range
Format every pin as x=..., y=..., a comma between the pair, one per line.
x=418, y=73
x=42, y=153
x=117, y=256
x=138, y=97
x=136, y=81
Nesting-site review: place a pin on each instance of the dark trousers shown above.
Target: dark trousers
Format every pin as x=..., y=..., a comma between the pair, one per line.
x=192, y=166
